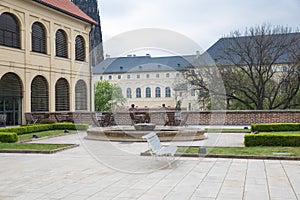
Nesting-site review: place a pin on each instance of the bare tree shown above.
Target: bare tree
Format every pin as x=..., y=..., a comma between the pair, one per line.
x=260, y=70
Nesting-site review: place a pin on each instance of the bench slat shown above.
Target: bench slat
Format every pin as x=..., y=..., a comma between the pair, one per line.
x=157, y=148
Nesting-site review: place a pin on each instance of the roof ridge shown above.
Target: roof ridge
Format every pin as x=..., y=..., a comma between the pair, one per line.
x=67, y=7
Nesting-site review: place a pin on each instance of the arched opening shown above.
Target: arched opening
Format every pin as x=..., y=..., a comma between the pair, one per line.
x=11, y=98
x=79, y=48
x=9, y=31
x=128, y=93
x=62, y=97
x=157, y=92
x=148, y=92
x=38, y=38
x=138, y=93
x=80, y=95
x=167, y=92
x=39, y=94
x=61, y=44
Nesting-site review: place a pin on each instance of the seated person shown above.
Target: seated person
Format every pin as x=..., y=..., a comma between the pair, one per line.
x=132, y=113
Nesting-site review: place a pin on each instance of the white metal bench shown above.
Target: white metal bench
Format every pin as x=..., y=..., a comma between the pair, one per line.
x=158, y=150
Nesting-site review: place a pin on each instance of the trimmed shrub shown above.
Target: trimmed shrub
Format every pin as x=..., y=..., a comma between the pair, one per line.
x=70, y=126
x=8, y=137
x=45, y=127
x=290, y=140
x=275, y=127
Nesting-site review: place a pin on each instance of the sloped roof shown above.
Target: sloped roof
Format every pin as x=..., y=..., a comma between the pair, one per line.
x=216, y=51
x=213, y=56
x=142, y=64
x=67, y=7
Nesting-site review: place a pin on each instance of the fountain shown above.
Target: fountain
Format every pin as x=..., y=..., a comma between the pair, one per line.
x=134, y=133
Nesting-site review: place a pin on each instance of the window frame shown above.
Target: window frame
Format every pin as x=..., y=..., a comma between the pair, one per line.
x=148, y=92
x=157, y=92
x=167, y=92
x=128, y=93
x=38, y=38
x=138, y=93
x=80, y=54
x=61, y=44
x=10, y=26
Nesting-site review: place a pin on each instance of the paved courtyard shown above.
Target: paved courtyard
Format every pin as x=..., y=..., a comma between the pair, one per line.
x=103, y=170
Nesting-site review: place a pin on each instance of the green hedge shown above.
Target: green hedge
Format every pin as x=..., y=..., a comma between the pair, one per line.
x=70, y=126
x=28, y=129
x=275, y=127
x=290, y=140
x=45, y=127
x=7, y=137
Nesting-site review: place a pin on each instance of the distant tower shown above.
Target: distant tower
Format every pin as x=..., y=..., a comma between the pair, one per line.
x=90, y=7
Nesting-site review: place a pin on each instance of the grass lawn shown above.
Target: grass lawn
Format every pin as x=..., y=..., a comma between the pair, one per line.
x=28, y=146
x=256, y=151
x=227, y=130
x=25, y=137
x=36, y=147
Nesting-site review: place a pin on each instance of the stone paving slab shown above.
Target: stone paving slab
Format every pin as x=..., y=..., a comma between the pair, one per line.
x=103, y=170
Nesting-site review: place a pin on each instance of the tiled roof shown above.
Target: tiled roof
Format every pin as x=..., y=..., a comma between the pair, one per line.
x=142, y=64
x=216, y=51
x=66, y=6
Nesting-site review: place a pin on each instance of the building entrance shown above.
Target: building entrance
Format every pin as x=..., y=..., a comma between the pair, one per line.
x=11, y=98
x=11, y=106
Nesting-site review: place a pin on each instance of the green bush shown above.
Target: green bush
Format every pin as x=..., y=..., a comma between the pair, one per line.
x=8, y=137
x=45, y=127
x=70, y=126
x=28, y=129
x=292, y=140
x=275, y=127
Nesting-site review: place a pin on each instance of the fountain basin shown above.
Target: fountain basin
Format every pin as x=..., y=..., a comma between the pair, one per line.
x=144, y=126
x=129, y=133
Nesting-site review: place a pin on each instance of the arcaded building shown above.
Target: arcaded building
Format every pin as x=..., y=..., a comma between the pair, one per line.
x=44, y=58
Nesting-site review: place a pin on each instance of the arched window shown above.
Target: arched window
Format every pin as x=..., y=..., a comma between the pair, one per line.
x=61, y=44
x=38, y=38
x=138, y=93
x=148, y=92
x=157, y=92
x=62, y=99
x=39, y=94
x=9, y=31
x=167, y=92
x=11, y=95
x=80, y=95
x=79, y=48
x=128, y=93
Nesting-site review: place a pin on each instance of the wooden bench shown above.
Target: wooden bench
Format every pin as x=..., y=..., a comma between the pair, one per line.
x=158, y=150
x=30, y=119
x=3, y=119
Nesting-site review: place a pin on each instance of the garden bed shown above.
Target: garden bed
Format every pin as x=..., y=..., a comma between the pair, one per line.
x=34, y=148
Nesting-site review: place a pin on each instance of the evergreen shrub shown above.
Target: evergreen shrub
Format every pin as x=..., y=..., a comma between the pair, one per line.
x=269, y=139
x=275, y=127
x=8, y=137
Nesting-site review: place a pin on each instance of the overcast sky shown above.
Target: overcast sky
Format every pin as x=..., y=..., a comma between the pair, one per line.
x=203, y=21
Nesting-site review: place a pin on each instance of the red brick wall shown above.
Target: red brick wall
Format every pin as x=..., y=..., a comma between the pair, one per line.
x=244, y=117
x=248, y=117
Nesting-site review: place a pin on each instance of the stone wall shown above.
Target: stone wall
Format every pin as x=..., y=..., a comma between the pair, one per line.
x=244, y=117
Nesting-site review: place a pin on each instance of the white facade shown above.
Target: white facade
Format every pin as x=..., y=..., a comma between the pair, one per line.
x=151, y=88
